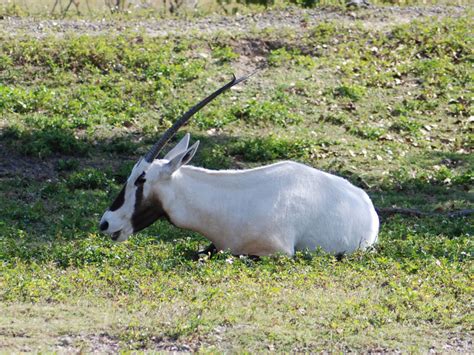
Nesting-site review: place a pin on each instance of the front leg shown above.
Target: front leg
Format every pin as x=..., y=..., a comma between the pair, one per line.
x=210, y=251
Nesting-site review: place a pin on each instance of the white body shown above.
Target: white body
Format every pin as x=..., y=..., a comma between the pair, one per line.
x=279, y=208
x=282, y=207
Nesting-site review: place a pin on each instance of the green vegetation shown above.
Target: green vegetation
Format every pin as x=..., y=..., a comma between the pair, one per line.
x=389, y=109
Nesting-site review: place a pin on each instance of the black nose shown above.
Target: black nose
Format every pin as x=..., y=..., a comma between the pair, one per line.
x=104, y=226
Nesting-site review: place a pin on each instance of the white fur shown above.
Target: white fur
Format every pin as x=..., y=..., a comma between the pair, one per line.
x=283, y=207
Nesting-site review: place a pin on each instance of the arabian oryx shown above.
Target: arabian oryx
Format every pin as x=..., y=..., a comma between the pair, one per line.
x=283, y=207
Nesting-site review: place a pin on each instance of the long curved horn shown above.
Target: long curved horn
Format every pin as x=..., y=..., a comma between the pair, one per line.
x=155, y=150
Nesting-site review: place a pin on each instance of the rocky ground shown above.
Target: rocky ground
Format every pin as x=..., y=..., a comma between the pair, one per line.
x=374, y=17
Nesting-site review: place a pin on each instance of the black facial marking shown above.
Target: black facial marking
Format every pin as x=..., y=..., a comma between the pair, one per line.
x=119, y=201
x=146, y=212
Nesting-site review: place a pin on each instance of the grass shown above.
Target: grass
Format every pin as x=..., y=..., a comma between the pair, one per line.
x=388, y=109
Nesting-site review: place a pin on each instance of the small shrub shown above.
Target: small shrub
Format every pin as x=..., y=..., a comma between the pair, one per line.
x=282, y=56
x=405, y=124
x=464, y=178
x=121, y=145
x=43, y=143
x=261, y=112
x=460, y=108
x=224, y=54
x=215, y=158
x=279, y=57
x=443, y=173
x=264, y=3
x=214, y=117
x=306, y=3
x=352, y=92
x=272, y=148
x=67, y=165
x=87, y=179
x=12, y=9
x=5, y=61
x=338, y=119
x=324, y=31
x=367, y=132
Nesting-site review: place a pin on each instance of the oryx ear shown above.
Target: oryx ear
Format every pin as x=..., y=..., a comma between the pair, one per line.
x=182, y=158
x=178, y=148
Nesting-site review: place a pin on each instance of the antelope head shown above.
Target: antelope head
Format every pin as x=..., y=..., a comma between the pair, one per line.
x=137, y=206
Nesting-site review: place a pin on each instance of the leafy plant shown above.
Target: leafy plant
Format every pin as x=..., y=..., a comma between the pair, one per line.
x=282, y=56
x=260, y=112
x=272, y=148
x=88, y=178
x=224, y=53
x=405, y=124
x=352, y=92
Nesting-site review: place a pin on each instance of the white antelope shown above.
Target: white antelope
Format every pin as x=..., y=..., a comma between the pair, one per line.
x=283, y=207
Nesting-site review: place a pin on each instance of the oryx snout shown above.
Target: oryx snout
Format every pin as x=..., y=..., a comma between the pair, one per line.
x=104, y=226
x=113, y=227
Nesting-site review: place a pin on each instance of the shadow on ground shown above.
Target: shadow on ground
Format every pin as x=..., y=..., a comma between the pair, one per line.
x=59, y=198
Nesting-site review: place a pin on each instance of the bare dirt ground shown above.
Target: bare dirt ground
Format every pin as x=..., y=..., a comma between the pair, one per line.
x=375, y=17
x=106, y=344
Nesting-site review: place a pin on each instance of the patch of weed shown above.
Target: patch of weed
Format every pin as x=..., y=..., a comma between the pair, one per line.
x=45, y=143
x=260, y=112
x=67, y=165
x=87, y=179
x=352, y=92
x=273, y=148
x=224, y=54
x=282, y=56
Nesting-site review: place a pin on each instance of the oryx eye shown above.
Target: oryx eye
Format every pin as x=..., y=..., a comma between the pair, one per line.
x=140, y=180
